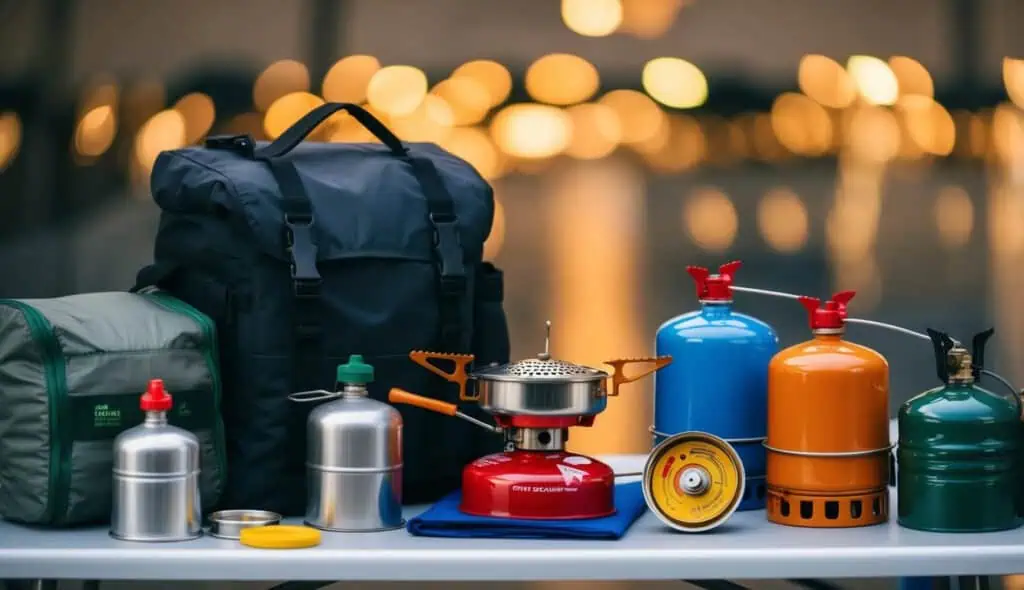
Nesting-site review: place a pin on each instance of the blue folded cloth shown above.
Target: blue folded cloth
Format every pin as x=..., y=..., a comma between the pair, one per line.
x=443, y=519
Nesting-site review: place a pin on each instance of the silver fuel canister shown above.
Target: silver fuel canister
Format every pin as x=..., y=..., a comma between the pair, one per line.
x=156, y=477
x=354, y=456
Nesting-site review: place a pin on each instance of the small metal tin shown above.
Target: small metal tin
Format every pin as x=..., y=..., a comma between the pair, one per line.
x=228, y=524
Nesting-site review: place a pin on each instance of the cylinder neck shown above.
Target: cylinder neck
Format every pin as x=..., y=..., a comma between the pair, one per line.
x=831, y=334
x=352, y=390
x=540, y=439
x=716, y=305
x=961, y=367
x=156, y=419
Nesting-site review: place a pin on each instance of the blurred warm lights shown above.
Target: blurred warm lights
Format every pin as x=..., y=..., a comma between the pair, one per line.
x=954, y=216
x=641, y=119
x=431, y=121
x=720, y=141
x=163, y=131
x=592, y=18
x=874, y=79
x=10, y=138
x=654, y=144
x=912, y=78
x=397, y=90
x=1013, y=78
x=675, y=82
x=1008, y=135
x=873, y=134
x=763, y=141
x=1006, y=216
x=929, y=124
x=341, y=127
x=782, y=220
x=963, y=121
x=801, y=125
x=491, y=74
x=649, y=19
x=348, y=79
x=280, y=78
x=287, y=110
x=864, y=277
x=496, y=239
x=141, y=101
x=473, y=145
x=592, y=228
x=596, y=131
x=736, y=137
x=826, y=82
x=95, y=131
x=532, y=130
x=250, y=123
x=467, y=98
x=199, y=113
x=100, y=93
x=851, y=226
x=685, y=147
x=561, y=79
x=978, y=135
x=710, y=219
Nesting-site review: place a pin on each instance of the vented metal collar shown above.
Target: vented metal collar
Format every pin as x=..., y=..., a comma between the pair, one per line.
x=542, y=368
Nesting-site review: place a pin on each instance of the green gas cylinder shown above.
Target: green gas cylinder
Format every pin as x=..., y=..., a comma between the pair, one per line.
x=959, y=448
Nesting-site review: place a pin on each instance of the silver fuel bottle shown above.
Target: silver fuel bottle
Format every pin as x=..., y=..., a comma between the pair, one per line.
x=354, y=456
x=156, y=477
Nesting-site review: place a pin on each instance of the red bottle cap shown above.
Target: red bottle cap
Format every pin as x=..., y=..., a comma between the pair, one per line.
x=830, y=316
x=714, y=287
x=156, y=399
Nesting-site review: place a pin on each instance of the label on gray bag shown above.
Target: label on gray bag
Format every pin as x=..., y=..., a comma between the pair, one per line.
x=104, y=416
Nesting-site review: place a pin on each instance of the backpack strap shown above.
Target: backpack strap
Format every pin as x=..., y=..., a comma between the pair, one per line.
x=299, y=220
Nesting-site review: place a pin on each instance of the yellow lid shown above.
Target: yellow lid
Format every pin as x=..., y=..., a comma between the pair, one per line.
x=280, y=537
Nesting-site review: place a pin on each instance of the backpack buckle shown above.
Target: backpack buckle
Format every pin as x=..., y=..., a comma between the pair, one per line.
x=236, y=143
x=448, y=247
x=306, y=278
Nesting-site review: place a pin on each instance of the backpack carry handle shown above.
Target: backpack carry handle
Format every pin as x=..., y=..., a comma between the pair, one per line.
x=304, y=126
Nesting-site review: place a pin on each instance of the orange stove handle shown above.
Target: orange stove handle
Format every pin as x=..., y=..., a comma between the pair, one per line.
x=459, y=375
x=619, y=374
x=401, y=396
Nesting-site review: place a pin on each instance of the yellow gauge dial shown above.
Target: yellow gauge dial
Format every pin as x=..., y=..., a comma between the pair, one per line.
x=694, y=481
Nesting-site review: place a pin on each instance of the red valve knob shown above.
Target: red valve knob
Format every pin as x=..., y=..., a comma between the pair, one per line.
x=156, y=398
x=714, y=287
x=829, y=316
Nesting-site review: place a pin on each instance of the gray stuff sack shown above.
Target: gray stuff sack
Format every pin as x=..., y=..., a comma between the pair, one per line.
x=72, y=370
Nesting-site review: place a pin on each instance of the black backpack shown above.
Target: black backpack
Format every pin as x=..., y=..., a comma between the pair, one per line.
x=305, y=253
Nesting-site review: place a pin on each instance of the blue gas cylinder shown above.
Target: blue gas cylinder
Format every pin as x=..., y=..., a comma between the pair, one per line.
x=718, y=380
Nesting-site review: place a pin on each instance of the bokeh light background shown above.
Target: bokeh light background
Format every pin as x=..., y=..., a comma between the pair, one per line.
x=868, y=145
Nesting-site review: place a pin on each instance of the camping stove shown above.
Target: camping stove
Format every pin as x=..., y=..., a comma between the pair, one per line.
x=536, y=478
x=534, y=402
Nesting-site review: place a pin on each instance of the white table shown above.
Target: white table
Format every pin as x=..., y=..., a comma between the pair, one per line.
x=747, y=547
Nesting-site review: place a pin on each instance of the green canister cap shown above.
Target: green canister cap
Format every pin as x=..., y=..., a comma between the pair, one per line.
x=355, y=371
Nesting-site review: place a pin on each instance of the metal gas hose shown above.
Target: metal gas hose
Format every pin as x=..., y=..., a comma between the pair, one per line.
x=850, y=320
x=877, y=324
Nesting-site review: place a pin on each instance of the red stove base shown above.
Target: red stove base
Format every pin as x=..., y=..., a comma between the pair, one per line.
x=538, y=485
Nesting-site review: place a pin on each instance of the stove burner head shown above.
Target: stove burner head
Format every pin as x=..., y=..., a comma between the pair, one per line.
x=547, y=368
x=542, y=369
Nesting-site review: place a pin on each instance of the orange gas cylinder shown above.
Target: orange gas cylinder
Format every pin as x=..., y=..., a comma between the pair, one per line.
x=828, y=427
